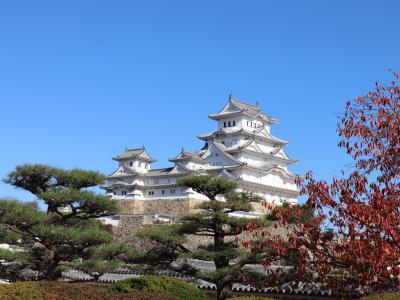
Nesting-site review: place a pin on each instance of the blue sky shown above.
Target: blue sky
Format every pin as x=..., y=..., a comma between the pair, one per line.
x=82, y=80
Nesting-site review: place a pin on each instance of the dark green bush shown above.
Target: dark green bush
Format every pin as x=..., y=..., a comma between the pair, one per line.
x=384, y=296
x=162, y=284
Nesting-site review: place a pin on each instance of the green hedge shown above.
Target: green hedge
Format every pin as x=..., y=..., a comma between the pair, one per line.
x=384, y=296
x=163, y=284
x=71, y=291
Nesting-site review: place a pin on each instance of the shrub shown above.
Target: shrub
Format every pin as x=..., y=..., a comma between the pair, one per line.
x=384, y=296
x=21, y=291
x=164, y=284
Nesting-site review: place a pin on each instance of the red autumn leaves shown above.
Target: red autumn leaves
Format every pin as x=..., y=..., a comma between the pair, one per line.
x=353, y=239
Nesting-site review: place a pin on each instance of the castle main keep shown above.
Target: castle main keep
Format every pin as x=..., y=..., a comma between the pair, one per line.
x=242, y=148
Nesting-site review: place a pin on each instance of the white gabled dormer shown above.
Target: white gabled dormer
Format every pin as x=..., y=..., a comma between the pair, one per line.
x=135, y=160
x=190, y=160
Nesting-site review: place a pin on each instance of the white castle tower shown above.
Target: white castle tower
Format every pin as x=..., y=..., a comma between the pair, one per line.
x=241, y=149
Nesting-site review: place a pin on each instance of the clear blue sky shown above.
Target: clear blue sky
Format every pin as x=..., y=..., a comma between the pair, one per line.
x=81, y=80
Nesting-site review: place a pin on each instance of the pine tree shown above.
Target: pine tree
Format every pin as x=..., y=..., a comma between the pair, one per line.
x=67, y=232
x=211, y=219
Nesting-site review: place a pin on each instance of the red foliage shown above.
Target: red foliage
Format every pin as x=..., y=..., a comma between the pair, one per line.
x=362, y=208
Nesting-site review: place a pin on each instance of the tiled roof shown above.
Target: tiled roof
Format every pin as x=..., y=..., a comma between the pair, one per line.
x=251, y=132
x=114, y=277
x=161, y=171
x=187, y=155
x=134, y=153
x=76, y=275
x=286, y=288
x=250, y=108
x=201, y=265
x=235, y=107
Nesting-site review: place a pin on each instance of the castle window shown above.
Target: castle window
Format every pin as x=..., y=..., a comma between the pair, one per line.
x=172, y=191
x=151, y=193
x=140, y=164
x=224, y=124
x=114, y=193
x=130, y=164
x=163, y=192
x=146, y=166
x=123, y=193
x=229, y=123
x=234, y=123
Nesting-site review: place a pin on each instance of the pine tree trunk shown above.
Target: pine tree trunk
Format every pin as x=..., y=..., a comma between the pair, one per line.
x=49, y=265
x=220, y=261
x=222, y=292
x=51, y=213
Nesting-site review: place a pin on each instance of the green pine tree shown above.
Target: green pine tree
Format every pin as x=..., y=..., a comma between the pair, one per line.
x=66, y=232
x=212, y=220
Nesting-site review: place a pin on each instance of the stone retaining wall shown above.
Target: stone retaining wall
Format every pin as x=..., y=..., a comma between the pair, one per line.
x=127, y=227
x=176, y=207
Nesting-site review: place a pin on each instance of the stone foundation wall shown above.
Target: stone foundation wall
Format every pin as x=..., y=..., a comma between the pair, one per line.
x=130, y=206
x=127, y=227
x=137, y=214
x=175, y=207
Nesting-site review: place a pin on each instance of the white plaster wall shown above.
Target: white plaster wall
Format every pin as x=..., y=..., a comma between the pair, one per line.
x=138, y=165
x=176, y=192
x=265, y=147
x=231, y=141
x=216, y=158
x=272, y=179
x=227, y=120
x=161, y=180
x=193, y=165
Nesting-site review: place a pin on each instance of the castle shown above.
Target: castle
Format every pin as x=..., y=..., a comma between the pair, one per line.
x=242, y=149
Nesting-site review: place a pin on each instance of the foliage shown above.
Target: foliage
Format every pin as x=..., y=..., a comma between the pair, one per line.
x=306, y=213
x=71, y=291
x=354, y=238
x=164, y=284
x=63, y=234
x=211, y=220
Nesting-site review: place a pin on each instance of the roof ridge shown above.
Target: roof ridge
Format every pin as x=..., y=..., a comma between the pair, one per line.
x=254, y=106
x=161, y=169
x=134, y=149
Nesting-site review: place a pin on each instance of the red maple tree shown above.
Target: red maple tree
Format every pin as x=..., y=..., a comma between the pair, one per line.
x=353, y=239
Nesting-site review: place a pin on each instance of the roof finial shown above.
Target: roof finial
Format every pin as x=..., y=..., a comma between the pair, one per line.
x=230, y=96
x=258, y=104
